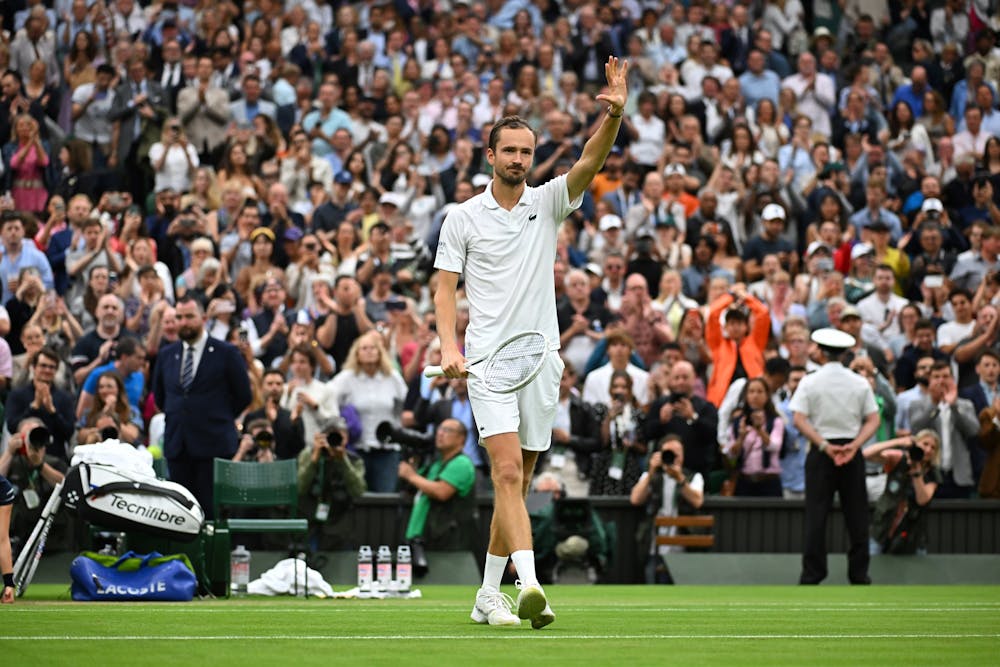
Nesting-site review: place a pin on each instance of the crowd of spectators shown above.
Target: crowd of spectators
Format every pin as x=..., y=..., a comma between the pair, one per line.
x=782, y=166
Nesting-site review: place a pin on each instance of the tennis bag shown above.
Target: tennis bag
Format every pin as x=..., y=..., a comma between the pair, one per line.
x=121, y=500
x=149, y=578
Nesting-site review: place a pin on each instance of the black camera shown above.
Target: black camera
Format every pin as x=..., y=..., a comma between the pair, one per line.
x=915, y=453
x=676, y=398
x=385, y=432
x=668, y=457
x=263, y=440
x=618, y=397
x=335, y=439
x=109, y=433
x=39, y=437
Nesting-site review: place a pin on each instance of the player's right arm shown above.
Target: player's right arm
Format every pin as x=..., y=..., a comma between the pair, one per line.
x=452, y=361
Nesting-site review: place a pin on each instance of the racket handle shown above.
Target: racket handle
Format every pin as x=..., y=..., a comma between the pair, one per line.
x=433, y=371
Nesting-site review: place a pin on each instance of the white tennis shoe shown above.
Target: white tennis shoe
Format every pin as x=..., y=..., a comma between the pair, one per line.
x=494, y=607
x=532, y=604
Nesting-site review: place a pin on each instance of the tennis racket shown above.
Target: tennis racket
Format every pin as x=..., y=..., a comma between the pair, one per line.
x=512, y=365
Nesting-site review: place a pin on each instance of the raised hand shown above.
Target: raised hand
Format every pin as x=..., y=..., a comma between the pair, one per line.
x=617, y=94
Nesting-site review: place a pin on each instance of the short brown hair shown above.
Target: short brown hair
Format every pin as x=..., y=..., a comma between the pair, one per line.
x=509, y=123
x=620, y=337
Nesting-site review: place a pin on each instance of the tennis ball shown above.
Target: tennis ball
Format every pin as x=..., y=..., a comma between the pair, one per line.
x=156, y=451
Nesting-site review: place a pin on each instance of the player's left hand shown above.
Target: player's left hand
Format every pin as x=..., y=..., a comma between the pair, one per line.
x=617, y=73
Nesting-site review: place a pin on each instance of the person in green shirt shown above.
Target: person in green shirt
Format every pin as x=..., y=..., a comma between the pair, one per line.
x=444, y=508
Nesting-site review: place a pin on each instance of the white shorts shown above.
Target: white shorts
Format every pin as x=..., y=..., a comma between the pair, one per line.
x=529, y=412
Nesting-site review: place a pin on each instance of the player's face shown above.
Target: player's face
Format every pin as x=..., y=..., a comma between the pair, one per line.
x=513, y=155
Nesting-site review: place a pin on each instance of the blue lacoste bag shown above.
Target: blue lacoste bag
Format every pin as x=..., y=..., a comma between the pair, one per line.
x=151, y=577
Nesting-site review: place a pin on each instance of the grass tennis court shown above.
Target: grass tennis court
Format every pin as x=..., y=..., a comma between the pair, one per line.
x=596, y=625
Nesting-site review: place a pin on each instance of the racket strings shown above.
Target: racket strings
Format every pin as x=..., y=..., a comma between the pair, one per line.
x=515, y=363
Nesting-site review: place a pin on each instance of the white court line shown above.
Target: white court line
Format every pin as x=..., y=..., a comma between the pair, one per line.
x=500, y=635
x=192, y=608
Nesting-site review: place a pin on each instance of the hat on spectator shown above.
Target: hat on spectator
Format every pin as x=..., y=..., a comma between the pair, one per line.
x=343, y=178
x=817, y=246
x=293, y=233
x=615, y=150
x=877, y=226
x=773, y=212
x=261, y=231
x=833, y=338
x=480, y=181
x=609, y=221
x=850, y=311
x=594, y=268
x=932, y=204
x=821, y=33
x=675, y=170
x=392, y=199
x=862, y=250
x=323, y=278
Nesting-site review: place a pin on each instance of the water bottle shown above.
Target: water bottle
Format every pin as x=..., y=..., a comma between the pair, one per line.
x=365, y=568
x=240, y=570
x=404, y=568
x=383, y=568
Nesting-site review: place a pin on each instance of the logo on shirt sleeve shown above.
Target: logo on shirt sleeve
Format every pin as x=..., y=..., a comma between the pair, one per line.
x=532, y=217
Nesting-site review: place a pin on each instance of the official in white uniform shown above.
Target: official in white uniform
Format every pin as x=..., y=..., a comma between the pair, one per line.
x=835, y=410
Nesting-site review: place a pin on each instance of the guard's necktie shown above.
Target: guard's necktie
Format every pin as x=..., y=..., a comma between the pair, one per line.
x=187, y=372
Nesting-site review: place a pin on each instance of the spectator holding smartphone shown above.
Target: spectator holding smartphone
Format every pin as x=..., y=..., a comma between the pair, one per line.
x=755, y=439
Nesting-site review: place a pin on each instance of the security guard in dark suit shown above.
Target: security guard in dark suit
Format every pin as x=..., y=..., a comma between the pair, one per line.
x=835, y=410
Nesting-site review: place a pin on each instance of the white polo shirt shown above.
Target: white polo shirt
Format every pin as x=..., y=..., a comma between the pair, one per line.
x=506, y=258
x=836, y=400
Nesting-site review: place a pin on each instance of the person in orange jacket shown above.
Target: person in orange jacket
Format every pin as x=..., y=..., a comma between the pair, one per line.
x=739, y=353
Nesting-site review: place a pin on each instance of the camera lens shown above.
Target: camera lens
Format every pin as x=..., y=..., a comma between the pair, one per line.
x=109, y=433
x=39, y=437
x=335, y=438
x=264, y=440
x=916, y=453
x=669, y=457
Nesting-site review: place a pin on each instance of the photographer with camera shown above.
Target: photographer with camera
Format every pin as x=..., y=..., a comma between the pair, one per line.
x=288, y=438
x=41, y=399
x=899, y=521
x=257, y=443
x=566, y=531
x=33, y=474
x=444, y=510
x=665, y=489
x=330, y=478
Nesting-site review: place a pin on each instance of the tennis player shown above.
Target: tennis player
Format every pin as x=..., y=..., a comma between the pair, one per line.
x=504, y=243
x=7, y=496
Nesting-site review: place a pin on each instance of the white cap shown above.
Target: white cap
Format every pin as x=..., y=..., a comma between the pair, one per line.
x=772, y=212
x=480, y=181
x=396, y=199
x=836, y=338
x=609, y=221
x=816, y=246
x=861, y=249
x=932, y=204
x=595, y=268
x=675, y=170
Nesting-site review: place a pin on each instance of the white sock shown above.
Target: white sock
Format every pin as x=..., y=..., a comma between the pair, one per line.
x=493, y=574
x=524, y=561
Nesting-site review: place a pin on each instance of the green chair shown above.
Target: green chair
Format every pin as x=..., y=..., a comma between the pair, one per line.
x=241, y=484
